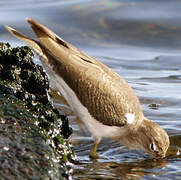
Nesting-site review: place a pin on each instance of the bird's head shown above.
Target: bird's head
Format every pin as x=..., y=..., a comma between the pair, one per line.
x=149, y=137
x=153, y=139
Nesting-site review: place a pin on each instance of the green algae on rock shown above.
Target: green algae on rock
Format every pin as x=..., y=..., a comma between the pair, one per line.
x=31, y=137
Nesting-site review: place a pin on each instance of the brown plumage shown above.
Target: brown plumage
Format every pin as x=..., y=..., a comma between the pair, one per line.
x=107, y=97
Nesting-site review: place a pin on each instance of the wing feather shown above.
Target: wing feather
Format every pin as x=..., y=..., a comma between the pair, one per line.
x=103, y=92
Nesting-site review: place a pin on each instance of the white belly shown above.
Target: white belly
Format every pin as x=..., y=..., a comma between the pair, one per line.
x=97, y=129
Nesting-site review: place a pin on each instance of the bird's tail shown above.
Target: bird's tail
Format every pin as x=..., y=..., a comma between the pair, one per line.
x=30, y=42
x=54, y=45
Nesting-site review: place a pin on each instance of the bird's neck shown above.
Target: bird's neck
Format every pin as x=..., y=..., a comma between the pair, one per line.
x=135, y=137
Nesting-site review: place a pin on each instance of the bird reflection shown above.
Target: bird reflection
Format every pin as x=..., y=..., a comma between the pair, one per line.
x=124, y=170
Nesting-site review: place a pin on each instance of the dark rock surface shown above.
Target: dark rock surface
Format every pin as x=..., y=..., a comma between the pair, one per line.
x=31, y=129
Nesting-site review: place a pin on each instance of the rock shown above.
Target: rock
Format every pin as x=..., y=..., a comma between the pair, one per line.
x=32, y=131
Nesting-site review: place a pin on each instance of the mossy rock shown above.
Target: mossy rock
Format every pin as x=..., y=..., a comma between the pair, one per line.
x=32, y=131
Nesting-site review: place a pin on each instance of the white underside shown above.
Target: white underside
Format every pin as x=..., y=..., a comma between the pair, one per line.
x=97, y=129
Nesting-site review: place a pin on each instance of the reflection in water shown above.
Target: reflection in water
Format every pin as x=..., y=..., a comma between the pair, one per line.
x=175, y=140
x=128, y=170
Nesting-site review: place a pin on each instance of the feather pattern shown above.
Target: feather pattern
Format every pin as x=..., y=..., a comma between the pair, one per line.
x=103, y=92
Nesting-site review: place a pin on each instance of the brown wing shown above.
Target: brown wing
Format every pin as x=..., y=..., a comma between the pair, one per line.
x=104, y=93
x=107, y=99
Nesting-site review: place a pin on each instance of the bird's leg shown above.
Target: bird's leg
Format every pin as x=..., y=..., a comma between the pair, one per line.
x=93, y=152
x=80, y=126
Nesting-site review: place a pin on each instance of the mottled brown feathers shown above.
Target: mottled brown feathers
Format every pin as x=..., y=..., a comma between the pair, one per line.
x=105, y=94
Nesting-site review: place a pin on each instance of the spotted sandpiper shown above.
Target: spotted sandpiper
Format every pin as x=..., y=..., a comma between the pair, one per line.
x=98, y=96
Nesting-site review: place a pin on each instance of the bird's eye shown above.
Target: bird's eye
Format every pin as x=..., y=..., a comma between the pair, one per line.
x=153, y=147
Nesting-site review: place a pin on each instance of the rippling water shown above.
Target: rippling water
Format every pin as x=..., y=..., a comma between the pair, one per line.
x=139, y=39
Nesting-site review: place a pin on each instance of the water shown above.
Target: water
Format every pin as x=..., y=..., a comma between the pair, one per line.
x=138, y=39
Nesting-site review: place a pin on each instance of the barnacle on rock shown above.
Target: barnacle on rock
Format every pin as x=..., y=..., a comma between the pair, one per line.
x=32, y=130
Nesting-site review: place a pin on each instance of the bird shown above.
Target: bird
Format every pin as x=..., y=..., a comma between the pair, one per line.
x=103, y=101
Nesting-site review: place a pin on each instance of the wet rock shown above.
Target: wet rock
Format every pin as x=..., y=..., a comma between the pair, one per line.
x=31, y=129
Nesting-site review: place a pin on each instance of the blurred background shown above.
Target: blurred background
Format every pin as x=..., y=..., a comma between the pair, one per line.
x=141, y=41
